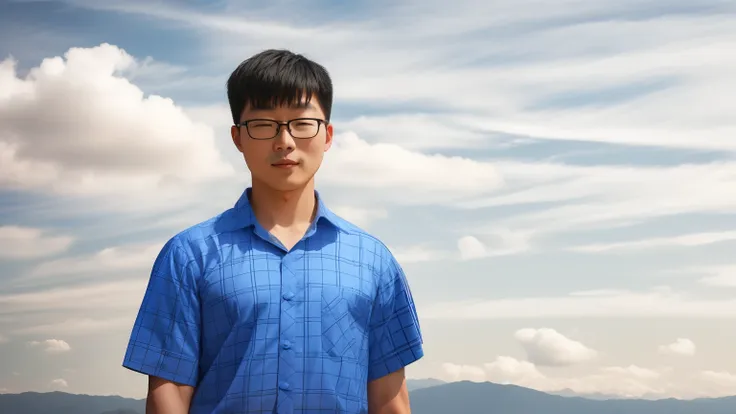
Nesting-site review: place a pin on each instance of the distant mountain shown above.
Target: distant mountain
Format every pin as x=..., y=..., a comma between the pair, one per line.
x=591, y=396
x=482, y=398
x=433, y=397
x=64, y=403
x=417, y=384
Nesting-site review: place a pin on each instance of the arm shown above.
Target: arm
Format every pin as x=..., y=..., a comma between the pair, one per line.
x=388, y=394
x=164, y=343
x=167, y=397
x=395, y=341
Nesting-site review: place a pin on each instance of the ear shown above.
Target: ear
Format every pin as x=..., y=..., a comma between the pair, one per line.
x=235, y=134
x=328, y=136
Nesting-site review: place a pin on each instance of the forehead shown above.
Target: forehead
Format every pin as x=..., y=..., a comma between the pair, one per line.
x=275, y=106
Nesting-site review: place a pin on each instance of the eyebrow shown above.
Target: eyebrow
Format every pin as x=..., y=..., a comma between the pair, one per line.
x=271, y=105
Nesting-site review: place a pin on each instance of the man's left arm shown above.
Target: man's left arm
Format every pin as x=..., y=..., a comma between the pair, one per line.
x=395, y=342
x=388, y=394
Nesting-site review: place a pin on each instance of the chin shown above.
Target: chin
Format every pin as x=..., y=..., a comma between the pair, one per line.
x=287, y=183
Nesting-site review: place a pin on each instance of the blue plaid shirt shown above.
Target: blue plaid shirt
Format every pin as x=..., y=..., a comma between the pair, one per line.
x=259, y=329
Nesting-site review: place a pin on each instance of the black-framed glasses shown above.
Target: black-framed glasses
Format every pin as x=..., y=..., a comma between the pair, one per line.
x=300, y=128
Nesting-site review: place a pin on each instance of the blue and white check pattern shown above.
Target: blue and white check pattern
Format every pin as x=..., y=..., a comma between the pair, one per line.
x=258, y=329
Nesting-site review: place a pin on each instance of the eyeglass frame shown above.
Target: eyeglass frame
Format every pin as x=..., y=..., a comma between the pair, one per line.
x=278, y=127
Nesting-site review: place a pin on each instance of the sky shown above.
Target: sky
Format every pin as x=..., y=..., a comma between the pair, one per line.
x=557, y=178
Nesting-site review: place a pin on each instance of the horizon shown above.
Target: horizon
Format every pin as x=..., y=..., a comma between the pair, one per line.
x=557, y=393
x=556, y=180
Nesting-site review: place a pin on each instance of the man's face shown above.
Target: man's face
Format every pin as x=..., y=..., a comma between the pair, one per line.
x=284, y=162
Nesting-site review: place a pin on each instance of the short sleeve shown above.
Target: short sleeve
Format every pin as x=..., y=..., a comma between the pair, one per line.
x=164, y=341
x=395, y=338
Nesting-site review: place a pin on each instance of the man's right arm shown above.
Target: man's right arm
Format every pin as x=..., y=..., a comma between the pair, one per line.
x=164, y=343
x=167, y=397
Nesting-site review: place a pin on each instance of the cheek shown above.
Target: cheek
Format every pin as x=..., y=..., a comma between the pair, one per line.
x=253, y=153
x=313, y=148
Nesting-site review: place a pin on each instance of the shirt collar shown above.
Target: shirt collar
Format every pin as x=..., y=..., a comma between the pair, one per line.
x=241, y=215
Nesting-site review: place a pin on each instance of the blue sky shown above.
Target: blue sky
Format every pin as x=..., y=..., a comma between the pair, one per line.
x=557, y=178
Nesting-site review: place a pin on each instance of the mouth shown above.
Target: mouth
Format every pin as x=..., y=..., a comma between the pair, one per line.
x=285, y=164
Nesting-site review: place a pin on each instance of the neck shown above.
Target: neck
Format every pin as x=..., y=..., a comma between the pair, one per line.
x=284, y=209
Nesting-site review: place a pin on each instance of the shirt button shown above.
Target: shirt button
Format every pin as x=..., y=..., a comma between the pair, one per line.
x=288, y=296
x=286, y=345
x=284, y=386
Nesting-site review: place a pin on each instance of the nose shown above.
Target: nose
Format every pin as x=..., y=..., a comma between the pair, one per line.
x=283, y=141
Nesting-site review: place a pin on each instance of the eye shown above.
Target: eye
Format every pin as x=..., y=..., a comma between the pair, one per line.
x=304, y=123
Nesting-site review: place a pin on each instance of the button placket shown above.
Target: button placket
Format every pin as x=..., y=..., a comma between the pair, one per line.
x=290, y=314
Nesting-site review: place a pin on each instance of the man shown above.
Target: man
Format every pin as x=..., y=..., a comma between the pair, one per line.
x=277, y=305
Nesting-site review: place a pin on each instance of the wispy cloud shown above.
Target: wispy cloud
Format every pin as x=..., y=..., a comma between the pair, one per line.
x=111, y=260
x=718, y=276
x=111, y=296
x=655, y=303
x=574, y=198
x=52, y=346
x=30, y=243
x=686, y=240
x=681, y=347
x=58, y=383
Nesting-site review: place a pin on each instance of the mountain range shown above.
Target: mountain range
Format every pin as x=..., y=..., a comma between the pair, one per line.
x=428, y=396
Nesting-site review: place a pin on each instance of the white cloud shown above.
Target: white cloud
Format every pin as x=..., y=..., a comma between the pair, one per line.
x=401, y=176
x=687, y=240
x=419, y=253
x=29, y=243
x=628, y=382
x=597, y=197
x=58, y=383
x=417, y=131
x=721, y=377
x=658, y=302
x=99, y=134
x=109, y=296
x=470, y=248
x=116, y=259
x=718, y=276
x=721, y=381
x=634, y=371
x=360, y=216
x=631, y=381
x=681, y=347
x=52, y=346
x=454, y=372
x=251, y=26
x=496, y=242
x=508, y=370
x=548, y=347
x=80, y=325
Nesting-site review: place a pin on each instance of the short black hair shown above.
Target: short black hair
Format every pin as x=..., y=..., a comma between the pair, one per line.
x=277, y=77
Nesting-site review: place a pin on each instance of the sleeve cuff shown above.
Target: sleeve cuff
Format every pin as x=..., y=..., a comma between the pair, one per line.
x=395, y=361
x=162, y=364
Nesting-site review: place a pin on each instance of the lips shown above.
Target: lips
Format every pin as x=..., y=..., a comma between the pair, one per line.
x=284, y=163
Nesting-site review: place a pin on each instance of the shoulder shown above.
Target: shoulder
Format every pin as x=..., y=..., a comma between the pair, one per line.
x=373, y=251
x=194, y=244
